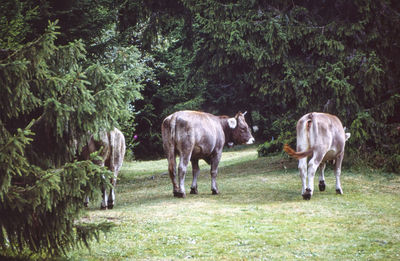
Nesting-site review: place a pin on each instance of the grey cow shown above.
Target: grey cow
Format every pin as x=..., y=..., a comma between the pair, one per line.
x=113, y=152
x=195, y=135
x=322, y=136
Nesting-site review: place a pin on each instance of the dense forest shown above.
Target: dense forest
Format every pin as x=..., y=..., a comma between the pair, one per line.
x=71, y=68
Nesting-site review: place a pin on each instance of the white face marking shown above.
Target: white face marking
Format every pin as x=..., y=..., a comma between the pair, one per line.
x=250, y=141
x=232, y=123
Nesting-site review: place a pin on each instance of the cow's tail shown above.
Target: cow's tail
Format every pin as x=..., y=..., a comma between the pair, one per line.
x=305, y=126
x=168, y=133
x=168, y=127
x=297, y=155
x=173, y=128
x=111, y=141
x=118, y=148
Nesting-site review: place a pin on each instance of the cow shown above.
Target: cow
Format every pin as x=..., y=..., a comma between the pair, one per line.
x=321, y=135
x=195, y=135
x=112, y=145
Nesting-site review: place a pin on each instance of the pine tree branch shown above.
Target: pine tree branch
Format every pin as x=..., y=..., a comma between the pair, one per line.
x=28, y=45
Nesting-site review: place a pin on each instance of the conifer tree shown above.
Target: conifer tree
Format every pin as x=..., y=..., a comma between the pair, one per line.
x=282, y=59
x=51, y=98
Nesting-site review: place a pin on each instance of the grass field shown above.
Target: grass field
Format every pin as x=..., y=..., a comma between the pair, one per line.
x=259, y=215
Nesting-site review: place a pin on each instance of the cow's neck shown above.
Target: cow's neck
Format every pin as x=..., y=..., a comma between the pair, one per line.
x=227, y=130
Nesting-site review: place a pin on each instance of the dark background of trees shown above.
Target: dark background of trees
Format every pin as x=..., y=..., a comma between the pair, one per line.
x=277, y=60
x=76, y=67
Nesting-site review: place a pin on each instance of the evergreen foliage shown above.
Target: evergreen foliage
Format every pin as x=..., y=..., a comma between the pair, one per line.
x=52, y=97
x=165, y=93
x=131, y=63
x=282, y=59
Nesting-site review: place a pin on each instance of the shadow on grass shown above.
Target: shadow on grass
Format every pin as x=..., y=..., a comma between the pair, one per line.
x=260, y=165
x=241, y=183
x=248, y=197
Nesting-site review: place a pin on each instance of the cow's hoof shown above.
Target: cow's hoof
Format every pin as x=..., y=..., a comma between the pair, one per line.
x=321, y=185
x=179, y=194
x=307, y=194
x=194, y=191
x=110, y=206
x=215, y=192
x=339, y=191
x=85, y=204
x=103, y=208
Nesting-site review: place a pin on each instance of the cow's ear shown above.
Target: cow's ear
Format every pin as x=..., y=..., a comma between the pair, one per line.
x=347, y=135
x=232, y=123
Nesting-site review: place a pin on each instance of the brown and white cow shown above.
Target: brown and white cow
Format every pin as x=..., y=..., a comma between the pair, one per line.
x=195, y=135
x=112, y=144
x=321, y=135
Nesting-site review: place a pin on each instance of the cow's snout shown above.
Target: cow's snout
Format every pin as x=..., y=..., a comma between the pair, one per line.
x=251, y=141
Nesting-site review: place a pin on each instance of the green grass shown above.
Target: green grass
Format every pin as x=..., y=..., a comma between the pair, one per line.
x=259, y=214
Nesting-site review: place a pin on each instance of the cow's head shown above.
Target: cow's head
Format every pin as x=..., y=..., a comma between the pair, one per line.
x=240, y=130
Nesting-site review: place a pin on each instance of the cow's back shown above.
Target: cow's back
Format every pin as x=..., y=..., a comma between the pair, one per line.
x=193, y=132
x=112, y=145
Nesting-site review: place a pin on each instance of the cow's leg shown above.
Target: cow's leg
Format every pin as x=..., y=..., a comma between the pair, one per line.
x=338, y=168
x=111, y=197
x=104, y=197
x=104, y=193
x=214, y=171
x=303, y=174
x=321, y=184
x=195, y=171
x=311, y=168
x=172, y=170
x=183, y=162
x=86, y=201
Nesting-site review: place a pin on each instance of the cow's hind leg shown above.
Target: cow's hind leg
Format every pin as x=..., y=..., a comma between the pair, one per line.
x=303, y=174
x=172, y=170
x=111, y=197
x=182, y=168
x=104, y=200
x=195, y=171
x=312, y=167
x=214, y=171
x=104, y=196
x=338, y=167
x=86, y=201
x=321, y=184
